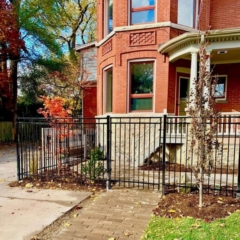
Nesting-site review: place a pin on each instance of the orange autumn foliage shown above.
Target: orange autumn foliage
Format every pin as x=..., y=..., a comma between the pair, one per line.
x=59, y=117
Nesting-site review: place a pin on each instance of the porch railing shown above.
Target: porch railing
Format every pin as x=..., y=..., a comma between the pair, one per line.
x=229, y=123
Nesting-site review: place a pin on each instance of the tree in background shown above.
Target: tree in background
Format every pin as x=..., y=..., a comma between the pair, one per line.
x=56, y=23
x=11, y=44
x=46, y=30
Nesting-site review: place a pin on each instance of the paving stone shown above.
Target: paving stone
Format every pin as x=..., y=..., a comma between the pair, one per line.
x=119, y=213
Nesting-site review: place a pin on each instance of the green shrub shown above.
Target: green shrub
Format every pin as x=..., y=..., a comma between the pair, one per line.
x=94, y=167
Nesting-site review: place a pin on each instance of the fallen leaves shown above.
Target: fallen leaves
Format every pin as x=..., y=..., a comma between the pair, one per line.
x=127, y=234
x=68, y=224
x=29, y=185
x=196, y=226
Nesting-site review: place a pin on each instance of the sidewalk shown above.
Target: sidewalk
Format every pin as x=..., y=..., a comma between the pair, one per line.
x=25, y=213
x=116, y=214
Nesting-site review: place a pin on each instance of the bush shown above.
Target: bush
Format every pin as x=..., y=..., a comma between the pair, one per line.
x=94, y=167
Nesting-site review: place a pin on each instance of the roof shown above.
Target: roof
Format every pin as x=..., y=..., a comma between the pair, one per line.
x=86, y=45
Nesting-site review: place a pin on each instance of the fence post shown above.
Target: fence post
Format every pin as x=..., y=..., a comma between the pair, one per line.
x=164, y=153
x=238, y=179
x=108, y=183
x=17, y=149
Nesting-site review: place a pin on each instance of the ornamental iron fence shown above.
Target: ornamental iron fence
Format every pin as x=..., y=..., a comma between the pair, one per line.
x=141, y=152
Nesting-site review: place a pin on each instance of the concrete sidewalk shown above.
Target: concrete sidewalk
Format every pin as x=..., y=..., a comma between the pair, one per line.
x=117, y=214
x=24, y=213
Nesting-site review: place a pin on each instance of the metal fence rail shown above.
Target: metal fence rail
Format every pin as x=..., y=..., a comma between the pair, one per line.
x=146, y=152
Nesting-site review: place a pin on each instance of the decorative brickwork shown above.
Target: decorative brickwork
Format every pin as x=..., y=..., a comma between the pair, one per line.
x=143, y=38
x=107, y=47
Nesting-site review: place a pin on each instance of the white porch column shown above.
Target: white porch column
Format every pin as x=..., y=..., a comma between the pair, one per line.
x=193, y=73
x=208, y=69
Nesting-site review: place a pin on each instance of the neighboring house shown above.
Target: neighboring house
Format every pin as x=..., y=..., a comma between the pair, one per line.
x=88, y=78
x=148, y=54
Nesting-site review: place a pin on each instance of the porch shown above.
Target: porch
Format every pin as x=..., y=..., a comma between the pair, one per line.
x=223, y=49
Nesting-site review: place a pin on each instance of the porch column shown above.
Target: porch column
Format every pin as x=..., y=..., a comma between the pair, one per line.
x=193, y=73
x=208, y=69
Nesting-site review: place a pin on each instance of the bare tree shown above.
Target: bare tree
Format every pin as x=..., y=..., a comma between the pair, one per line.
x=204, y=119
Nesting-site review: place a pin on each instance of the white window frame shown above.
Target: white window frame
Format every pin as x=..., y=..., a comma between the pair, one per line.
x=104, y=75
x=129, y=14
x=129, y=83
x=225, y=92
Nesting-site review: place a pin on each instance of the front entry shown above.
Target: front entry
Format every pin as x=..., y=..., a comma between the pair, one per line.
x=183, y=95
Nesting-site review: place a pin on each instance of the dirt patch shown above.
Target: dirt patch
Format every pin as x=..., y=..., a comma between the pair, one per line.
x=176, y=205
x=63, y=184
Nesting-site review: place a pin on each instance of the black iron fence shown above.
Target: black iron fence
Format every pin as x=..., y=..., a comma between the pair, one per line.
x=146, y=152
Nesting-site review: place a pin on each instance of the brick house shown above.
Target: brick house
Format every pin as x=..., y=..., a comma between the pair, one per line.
x=147, y=58
x=148, y=54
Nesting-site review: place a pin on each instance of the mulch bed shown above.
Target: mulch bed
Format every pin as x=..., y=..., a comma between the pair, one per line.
x=177, y=205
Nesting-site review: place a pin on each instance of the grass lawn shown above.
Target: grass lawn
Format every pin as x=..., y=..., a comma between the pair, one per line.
x=193, y=229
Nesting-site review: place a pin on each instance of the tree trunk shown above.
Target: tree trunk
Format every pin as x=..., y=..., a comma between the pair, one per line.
x=201, y=188
x=14, y=67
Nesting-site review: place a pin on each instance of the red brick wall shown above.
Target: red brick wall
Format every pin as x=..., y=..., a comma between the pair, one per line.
x=163, y=10
x=174, y=11
x=99, y=20
x=128, y=46
x=120, y=13
x=224, y=14
x=90, y=102
x=204, y=15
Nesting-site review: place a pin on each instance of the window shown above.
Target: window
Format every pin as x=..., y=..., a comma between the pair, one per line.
x=220, y=91
x=141, y=86
x=142, y=11
x=184, y=87
x=187, y=10
x=108, y=16
x=108, y=75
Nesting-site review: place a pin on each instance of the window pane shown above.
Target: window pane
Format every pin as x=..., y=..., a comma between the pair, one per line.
x=142, y=3
x=141, y=104
x=220, y=88
x=109, y=92
x=183, y=87
x=110, y=16
x=143, y=16
x=186, y=12
x=141, y=78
